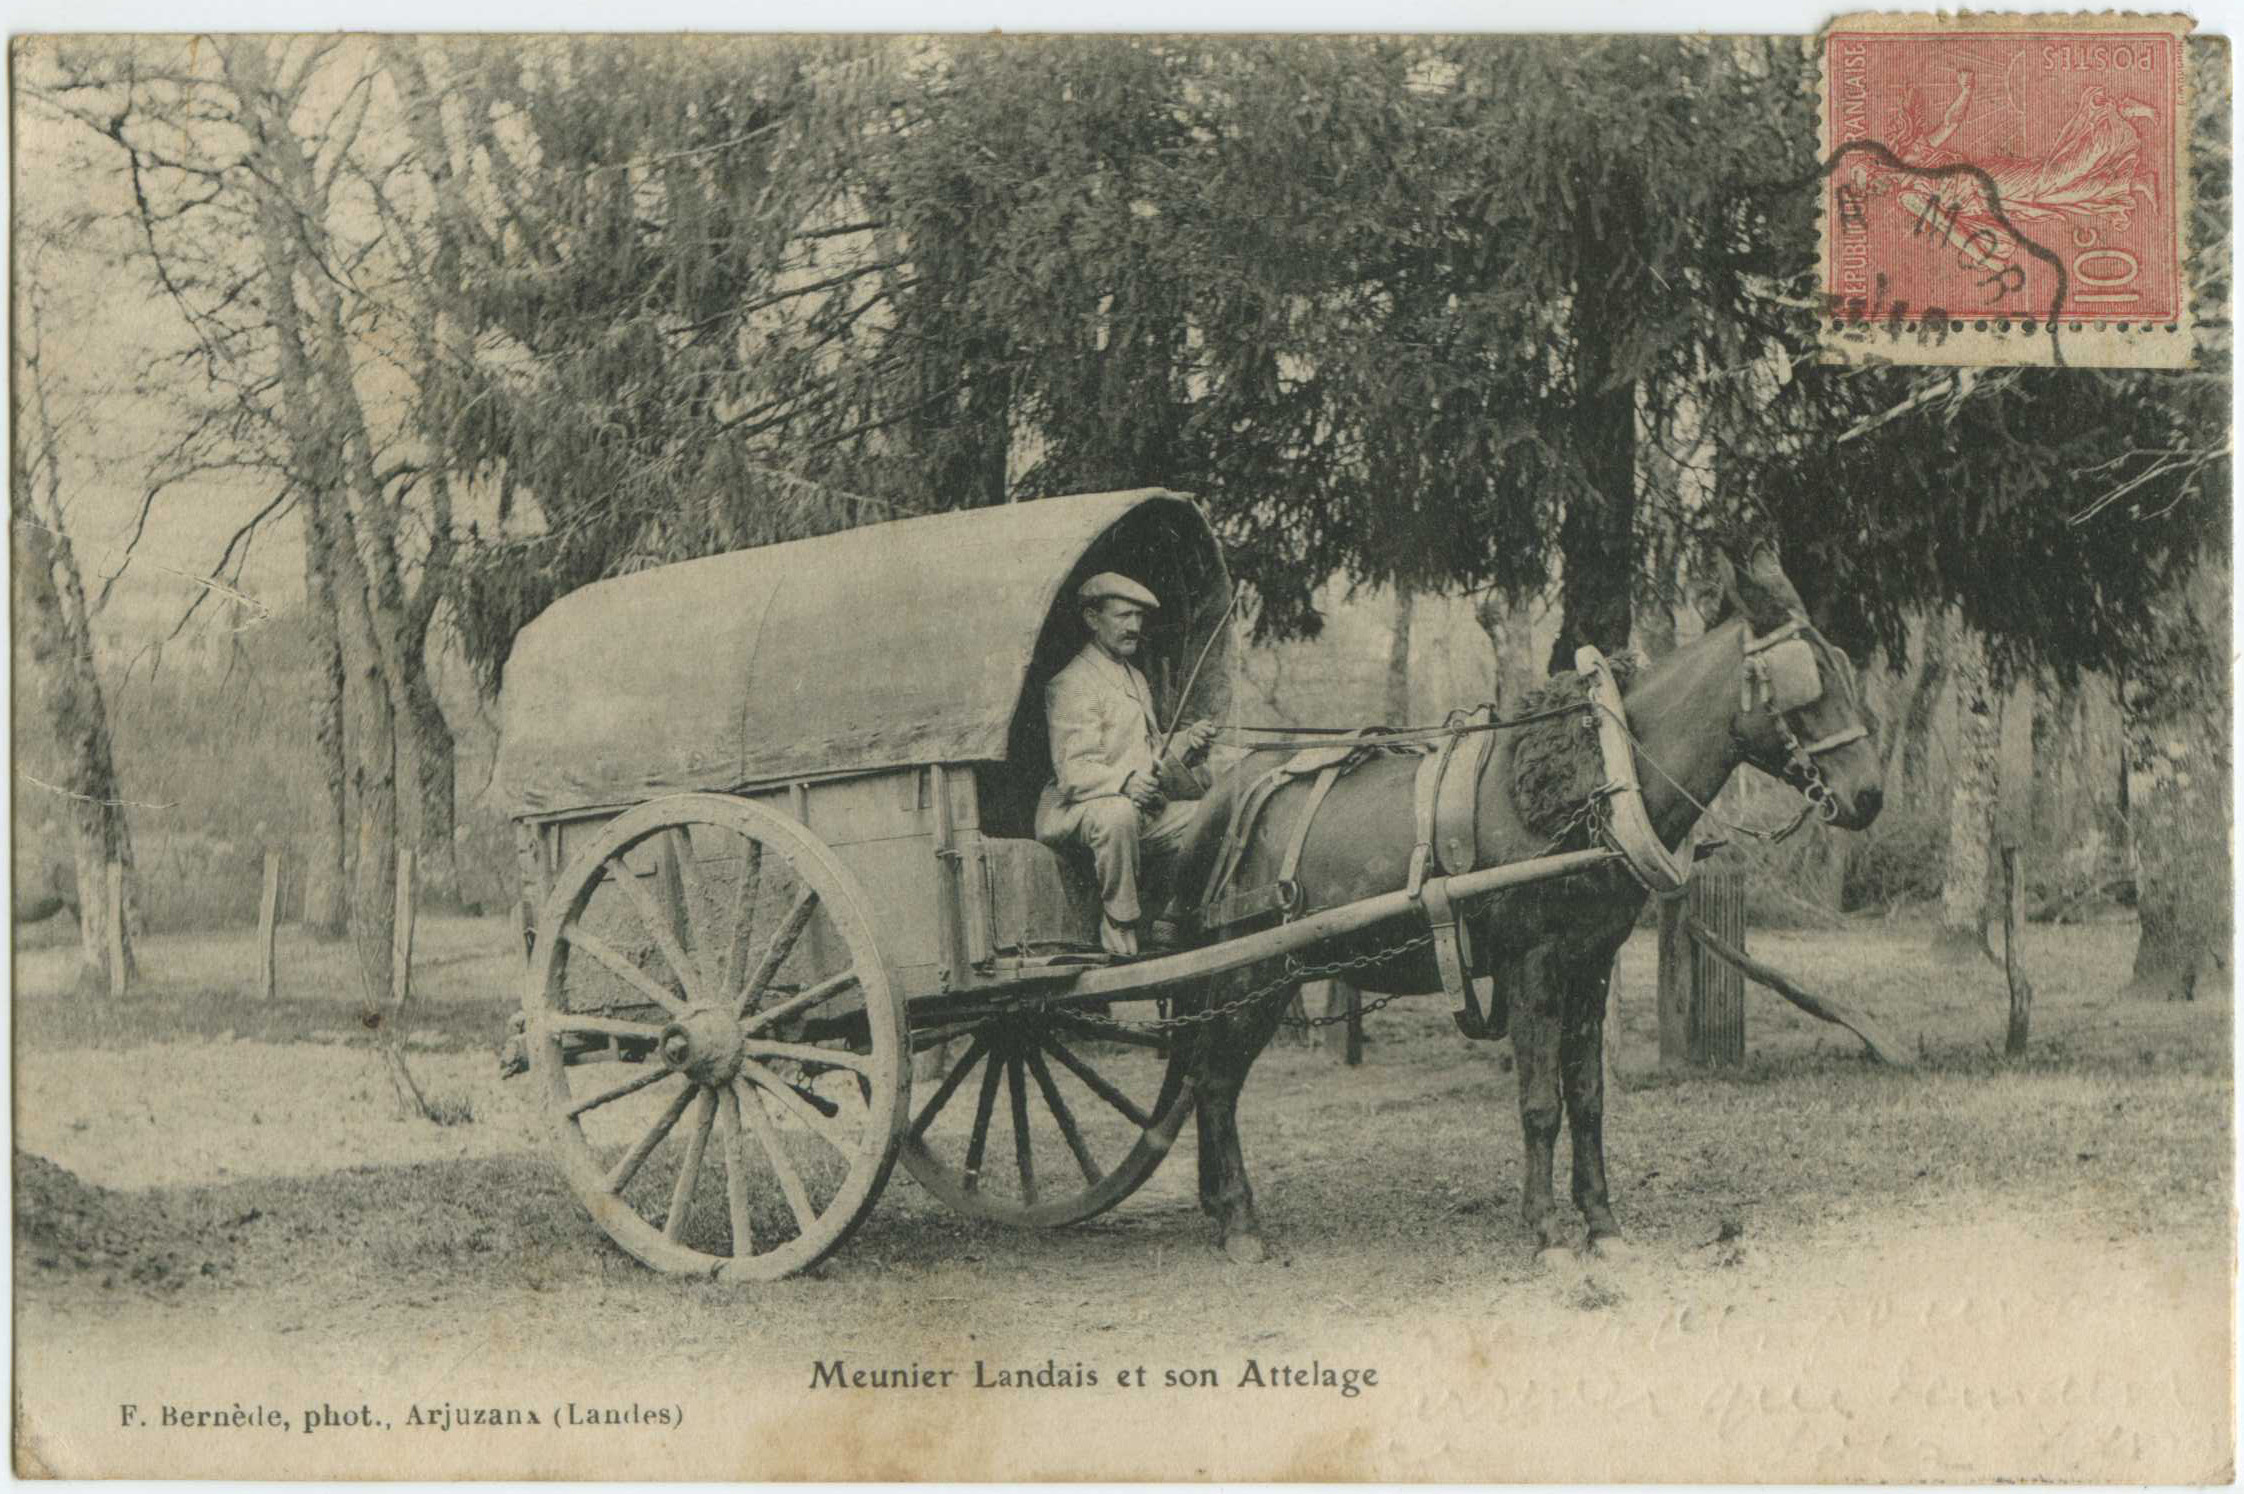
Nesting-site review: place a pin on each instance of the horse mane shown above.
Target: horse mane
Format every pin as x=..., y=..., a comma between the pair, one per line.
x=1556, y=764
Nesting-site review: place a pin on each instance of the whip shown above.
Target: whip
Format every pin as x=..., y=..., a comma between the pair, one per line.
x=1184, y=696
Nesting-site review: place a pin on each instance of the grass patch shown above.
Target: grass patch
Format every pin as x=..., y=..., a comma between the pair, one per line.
x=466, y=980
x=452, y=1110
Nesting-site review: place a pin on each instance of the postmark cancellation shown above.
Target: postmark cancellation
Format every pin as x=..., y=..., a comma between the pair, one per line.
x=2006, y=189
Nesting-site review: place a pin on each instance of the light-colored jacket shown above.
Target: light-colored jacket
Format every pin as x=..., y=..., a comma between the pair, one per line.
x=1103, y=729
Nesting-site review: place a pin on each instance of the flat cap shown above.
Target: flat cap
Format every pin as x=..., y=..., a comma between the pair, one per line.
x=1112, y=584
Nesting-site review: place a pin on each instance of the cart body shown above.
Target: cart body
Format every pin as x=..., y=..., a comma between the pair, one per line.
x=883, y=687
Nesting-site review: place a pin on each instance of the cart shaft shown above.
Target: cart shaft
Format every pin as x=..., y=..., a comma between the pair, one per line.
x=1333, y=923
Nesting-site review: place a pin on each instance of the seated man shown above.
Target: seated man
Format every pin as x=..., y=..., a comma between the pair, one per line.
x=1110, y=791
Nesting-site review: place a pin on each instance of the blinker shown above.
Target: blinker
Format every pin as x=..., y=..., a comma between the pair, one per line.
x=1790, y=677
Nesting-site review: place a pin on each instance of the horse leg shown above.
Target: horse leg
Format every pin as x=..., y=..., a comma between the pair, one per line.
x=1534, y=997
x=1581, y=1061
x=1228, y=1048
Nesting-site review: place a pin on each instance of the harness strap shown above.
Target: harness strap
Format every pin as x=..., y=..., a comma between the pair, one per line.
x=1457, y=804
x=1317, y=791
x=1835, y=741
x=1425, y=792
x=1446, y=810
x=1453, y=958
x=1771, y=638
x=1236, y=834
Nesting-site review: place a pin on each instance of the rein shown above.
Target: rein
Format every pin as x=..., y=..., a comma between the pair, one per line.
x=1401, y=736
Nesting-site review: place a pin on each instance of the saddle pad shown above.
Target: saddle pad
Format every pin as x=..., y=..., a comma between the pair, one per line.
x=1217, y=903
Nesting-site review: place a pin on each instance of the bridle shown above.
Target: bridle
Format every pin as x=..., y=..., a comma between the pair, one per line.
x=1783, y=676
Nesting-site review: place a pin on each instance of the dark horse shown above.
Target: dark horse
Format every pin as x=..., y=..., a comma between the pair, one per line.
x=1549, y=945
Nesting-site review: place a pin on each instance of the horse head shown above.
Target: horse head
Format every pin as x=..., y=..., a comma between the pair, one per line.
x=1800, y=714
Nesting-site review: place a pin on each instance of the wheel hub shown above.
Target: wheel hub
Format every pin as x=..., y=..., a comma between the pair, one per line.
x=704, y=1043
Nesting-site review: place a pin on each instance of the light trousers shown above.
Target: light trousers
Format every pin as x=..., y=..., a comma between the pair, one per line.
x=1127, y=847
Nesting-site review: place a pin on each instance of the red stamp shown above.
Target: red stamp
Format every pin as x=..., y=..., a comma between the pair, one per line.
x=2006, y=189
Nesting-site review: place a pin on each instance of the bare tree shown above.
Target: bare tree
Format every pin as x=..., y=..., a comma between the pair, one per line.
x=52, y=610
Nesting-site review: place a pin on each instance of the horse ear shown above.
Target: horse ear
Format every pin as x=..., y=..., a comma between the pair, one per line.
x=1763, y=591
x=1713, y=587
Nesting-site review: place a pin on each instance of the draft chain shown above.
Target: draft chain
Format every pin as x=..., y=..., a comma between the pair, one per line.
x=1293, y=975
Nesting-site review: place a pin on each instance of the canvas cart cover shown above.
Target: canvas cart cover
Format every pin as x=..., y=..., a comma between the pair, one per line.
x=895, y=644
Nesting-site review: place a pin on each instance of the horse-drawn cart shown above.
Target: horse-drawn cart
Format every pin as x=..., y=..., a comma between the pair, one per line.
x=774, y=815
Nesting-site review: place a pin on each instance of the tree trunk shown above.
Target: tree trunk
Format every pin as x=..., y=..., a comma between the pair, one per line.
x=443, y=325
x=1597, y=536
x=326, y=856
x=1915, y=736
x=2179, y=751
x=1398, y=659
x=52, y=611
x=1971, y=796
x=326, y=430
x=434, y=787
x=2047, y=790
x=1511, y=633
x=2014, y=779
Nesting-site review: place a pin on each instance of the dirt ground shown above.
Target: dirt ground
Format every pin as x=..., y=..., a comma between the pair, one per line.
x=1967, y=1270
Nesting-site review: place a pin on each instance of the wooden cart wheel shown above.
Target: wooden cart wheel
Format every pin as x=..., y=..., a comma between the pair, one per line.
x=721, y=1052
x=1063, y=1117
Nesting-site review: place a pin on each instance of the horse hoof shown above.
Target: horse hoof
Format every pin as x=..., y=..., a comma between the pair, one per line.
x=1247, y=1250
x=1612, y=1248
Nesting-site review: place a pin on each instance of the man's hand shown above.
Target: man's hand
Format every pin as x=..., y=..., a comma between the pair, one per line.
x=1192, y=746
x=1141, y=790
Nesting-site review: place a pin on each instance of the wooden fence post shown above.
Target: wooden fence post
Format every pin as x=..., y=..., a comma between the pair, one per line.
x=268, y=920
x=113, y=900
x=1718, y=990
x=2013, y=959
x=1702, y=998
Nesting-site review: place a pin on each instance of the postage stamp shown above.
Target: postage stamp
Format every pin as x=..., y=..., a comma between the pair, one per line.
x=2006, y=189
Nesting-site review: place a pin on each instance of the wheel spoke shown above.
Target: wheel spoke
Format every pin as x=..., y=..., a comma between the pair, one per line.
x=675, y=875
x=625, y=1170
x=982, y=1109
x=937, y=1037
x=553, y=1022
x=697, y=1141
x=734, y=958
x=818, y=995
x=782, y=945
x=630, y=1086
x=736, y=1174
x=790, y=1182
x=657, y=920
x=816, y=1112
x=951, y=1082
x=1063, y=1116
x=1016, y=1091
x=832, y=1058
x=1105, y=1034
x=619, y=965
x=1098, y=1085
